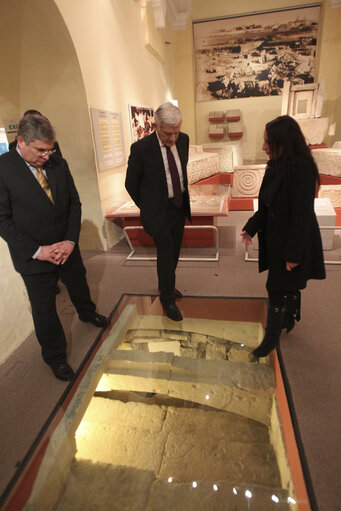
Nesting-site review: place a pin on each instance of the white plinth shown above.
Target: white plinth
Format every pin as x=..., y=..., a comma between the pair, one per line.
x=326, y=216
x=255, y=238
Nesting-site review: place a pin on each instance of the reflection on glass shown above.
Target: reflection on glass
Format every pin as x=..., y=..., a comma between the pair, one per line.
x=165, y=408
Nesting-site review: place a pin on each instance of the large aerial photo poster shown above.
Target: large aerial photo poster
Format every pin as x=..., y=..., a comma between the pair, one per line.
x=252, y=55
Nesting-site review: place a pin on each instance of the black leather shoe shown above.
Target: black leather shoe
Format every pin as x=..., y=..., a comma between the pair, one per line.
x=62, y=371
x=95, y=318
x=173, y=312
x=177, y=293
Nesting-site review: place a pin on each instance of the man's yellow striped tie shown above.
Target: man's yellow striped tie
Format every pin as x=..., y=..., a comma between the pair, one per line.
x=43, y=183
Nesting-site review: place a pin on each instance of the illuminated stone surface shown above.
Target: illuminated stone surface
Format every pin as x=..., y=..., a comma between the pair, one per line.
x=87, y=480
x=243, y=388
x=180, y=421
x=147, y=457
x=103, y=487
x=175, y=442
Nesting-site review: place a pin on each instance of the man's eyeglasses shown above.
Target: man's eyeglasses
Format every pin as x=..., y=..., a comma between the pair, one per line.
x=44, y=152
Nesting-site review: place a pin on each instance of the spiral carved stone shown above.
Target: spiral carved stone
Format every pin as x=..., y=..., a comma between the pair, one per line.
x=247, y=180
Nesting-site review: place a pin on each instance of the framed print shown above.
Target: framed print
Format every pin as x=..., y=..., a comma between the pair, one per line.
x=252, y=55
x=141, y=121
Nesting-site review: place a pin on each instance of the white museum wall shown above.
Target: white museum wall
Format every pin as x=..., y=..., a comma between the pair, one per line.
x=10, y=23
x=15, y=312
x=15, y=318
x=185, y=81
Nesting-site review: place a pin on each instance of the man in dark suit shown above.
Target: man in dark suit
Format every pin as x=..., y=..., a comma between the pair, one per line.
x=40, y=219
x=56, y=148
x=157, y=182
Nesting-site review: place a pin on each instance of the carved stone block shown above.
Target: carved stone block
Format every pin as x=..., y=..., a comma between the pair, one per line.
x=247, y=180
x=235, y=129
x=233, y=115
x=201, y=164
x=328, y=161
x=216, y=116
x=230, y=154
x=314, y=130
x=331, y=192
x=217, y=129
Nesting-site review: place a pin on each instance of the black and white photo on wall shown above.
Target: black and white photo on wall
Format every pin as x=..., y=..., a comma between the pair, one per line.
x=253, y=54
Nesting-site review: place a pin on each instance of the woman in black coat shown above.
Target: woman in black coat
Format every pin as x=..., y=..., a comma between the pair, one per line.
x=290, y=244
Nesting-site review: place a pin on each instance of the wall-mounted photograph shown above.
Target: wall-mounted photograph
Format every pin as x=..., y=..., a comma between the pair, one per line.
x=252, y=55
x=141, y=121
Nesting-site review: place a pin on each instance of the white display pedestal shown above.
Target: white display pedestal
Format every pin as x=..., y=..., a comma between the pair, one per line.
x=326, y=217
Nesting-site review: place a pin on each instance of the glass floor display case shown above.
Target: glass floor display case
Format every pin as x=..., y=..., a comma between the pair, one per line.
x=174, y=416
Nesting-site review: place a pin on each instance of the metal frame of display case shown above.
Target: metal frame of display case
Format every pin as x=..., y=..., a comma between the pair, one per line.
x=131, y=256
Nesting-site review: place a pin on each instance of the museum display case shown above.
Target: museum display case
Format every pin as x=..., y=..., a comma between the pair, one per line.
x=169, y=415
x=208, y=201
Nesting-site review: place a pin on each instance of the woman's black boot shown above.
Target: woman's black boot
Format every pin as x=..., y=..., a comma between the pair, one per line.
x=272, y=331
x=293, y=313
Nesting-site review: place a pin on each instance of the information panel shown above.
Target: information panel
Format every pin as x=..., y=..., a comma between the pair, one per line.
x=108, y=135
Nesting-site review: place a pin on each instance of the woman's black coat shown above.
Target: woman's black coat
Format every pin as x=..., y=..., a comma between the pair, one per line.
x=287, y=226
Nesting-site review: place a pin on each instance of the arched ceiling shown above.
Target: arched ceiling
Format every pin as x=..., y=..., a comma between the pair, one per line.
x=178, y=12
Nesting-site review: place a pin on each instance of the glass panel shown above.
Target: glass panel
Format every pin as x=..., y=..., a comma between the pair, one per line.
x=166, y=415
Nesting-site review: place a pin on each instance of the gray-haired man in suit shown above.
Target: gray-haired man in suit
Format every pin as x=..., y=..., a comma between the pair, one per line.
x=157, y=182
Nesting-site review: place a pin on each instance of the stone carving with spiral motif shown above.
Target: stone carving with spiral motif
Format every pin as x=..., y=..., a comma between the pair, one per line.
x=247, y=180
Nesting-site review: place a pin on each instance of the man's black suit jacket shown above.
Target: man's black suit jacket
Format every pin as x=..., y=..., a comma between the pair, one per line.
x=146, y=180
x=28, y=219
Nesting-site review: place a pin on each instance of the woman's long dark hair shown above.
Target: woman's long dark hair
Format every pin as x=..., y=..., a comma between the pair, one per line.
x=286, y=141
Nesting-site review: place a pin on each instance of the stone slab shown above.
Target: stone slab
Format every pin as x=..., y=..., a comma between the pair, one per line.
x=243, y=332
x=206, y=459
x=102, y=487
x=218, y=424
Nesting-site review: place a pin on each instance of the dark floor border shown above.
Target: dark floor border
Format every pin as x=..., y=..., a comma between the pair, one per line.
x=299, y=441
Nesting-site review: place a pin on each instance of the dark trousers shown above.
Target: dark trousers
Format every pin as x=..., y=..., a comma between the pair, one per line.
x=168, y=245
x=41, y=289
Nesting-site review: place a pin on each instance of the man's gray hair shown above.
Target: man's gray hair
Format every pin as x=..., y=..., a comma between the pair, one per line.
x=32, y=127
x=168, y=114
